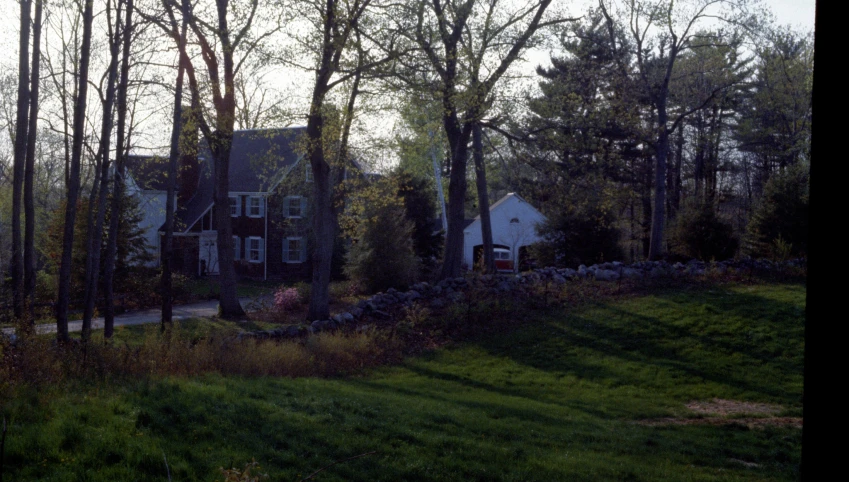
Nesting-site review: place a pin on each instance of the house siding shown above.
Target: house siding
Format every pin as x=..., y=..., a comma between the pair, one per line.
x=281, y=227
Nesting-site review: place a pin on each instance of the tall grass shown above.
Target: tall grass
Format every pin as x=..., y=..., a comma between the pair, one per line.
x=39, y=361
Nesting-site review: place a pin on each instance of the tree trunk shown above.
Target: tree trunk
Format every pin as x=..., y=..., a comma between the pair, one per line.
x=322, y=253
x=16, y=263
x=118, y=178
x=675, y=205
x=458, y=146
x=645, y=199
x=29, y=177
x=63, y=298
x=483, y=200
x=699, y=160
x=323, y=224
x=96, y=230
x=168, y=242
x=229, y=306
x=656, y=246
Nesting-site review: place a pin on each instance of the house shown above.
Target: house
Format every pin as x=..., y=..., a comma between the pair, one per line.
x=270, y=191
x=514, y=223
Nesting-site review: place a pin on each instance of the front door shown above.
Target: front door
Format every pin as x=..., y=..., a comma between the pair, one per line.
x=208, y=253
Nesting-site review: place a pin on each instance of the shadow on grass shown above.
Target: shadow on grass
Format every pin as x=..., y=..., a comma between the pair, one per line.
x=736, y=342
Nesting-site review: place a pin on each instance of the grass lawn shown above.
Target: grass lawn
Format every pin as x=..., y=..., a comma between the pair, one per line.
x=567, y=395
x=205, y=288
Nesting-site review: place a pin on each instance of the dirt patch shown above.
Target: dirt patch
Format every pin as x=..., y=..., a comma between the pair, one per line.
x=751, y=465
x=726, y=408
x=728, y=412
x=751, y=422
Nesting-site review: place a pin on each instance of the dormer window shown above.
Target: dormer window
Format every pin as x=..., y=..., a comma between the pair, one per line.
x=256, y=206
x=235, y=206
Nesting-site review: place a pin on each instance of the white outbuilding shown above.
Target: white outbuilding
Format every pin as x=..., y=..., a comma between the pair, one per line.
x=514, y=227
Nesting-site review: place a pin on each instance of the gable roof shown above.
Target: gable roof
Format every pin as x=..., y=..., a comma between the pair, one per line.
x=188, y=214
x=502, y=201
x=150, y=173
x=257, y=157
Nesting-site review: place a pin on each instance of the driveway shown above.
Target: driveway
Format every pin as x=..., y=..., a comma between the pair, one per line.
x=179, y=312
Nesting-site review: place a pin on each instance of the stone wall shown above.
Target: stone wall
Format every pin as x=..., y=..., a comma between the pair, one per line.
x=448, y=291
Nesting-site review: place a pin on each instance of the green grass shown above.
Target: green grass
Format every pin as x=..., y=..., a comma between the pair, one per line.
x=205, y=288
x=554, y=398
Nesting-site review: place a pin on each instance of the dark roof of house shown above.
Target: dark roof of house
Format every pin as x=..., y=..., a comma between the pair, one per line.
x=149, y=172
x=258, y=158
x=188, y=214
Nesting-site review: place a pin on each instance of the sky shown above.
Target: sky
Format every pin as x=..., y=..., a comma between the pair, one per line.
x=796, y=13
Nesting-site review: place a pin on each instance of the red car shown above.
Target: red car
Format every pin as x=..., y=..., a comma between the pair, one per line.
x=503, y=260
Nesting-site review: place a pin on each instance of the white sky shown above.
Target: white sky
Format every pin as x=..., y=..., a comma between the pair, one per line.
x=796, y=13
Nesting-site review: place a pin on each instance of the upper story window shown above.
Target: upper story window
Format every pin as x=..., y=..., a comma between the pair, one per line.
x=235, y=206
x=308, y=172
x=256, y=206
x=293, y=206
x=514, y=221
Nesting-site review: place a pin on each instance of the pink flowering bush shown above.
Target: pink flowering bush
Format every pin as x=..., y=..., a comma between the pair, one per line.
x=286, y=299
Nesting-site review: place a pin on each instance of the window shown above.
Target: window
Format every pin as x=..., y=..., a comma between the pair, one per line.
x=235, y=206
x=255, y=249
x=294, y=250
x=256, y=206
x=293, y=206
x=308, y=172
x=514, y=221
x=237, y=247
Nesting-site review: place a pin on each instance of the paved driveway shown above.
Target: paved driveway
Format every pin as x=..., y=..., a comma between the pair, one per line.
x=180, y=312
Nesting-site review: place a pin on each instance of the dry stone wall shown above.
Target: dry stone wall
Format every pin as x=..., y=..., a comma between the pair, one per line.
x=448, y=291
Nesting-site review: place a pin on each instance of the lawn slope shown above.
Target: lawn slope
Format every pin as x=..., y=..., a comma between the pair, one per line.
x=597, y=392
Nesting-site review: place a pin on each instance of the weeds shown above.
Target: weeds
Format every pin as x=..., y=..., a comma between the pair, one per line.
x=39, y=361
